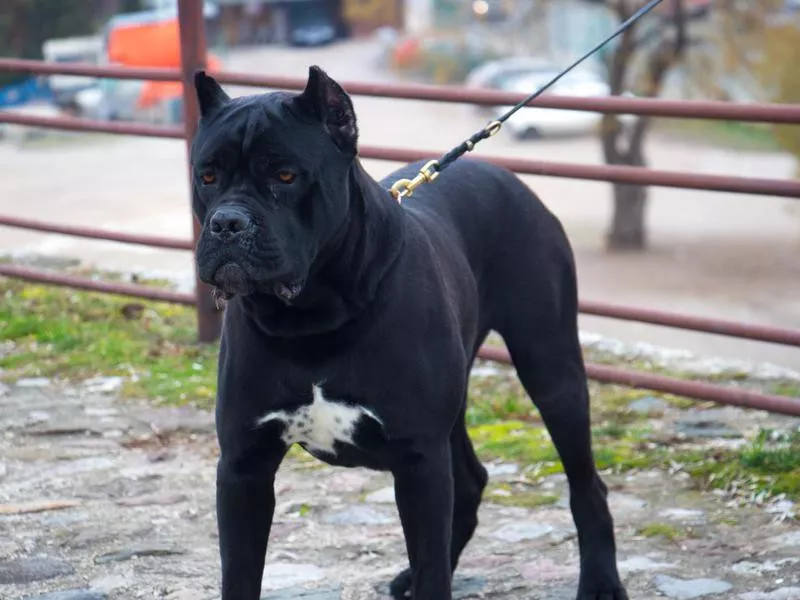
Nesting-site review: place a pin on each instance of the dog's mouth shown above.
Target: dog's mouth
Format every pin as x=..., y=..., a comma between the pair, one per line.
x=288, y=291
x=230, y=279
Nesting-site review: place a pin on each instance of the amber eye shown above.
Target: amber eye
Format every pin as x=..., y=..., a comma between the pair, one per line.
x=208, y=178
x=286, y=176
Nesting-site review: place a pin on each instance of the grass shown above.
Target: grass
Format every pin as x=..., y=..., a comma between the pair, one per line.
x=505, y=426
x=618, y=449
x=508, y=495
x=726, y=134
x=494, y=398
x=662, y=530
x=786, y=388
x=769, y=465
x=74, y=335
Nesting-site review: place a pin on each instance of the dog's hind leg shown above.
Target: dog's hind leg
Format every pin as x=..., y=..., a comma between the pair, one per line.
x=539, y=326
x=469, y=479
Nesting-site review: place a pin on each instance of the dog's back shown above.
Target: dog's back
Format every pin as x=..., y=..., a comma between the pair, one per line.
x=516, y=248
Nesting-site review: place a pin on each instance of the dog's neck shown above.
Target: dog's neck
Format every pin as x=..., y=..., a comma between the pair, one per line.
x=347, y=273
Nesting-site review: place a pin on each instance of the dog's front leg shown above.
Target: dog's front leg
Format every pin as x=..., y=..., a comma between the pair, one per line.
x=245, y=506
x=424, y=492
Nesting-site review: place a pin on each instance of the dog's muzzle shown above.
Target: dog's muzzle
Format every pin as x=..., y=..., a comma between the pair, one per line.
x=227, y=228
x=228, y=224
x=229, y=232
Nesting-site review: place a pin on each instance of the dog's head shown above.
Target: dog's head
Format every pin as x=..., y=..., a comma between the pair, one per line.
x=270, y=176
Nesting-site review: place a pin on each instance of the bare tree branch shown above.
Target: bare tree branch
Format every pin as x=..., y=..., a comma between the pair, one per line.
x=656, y=31
x=620, y=60
x=680, y=24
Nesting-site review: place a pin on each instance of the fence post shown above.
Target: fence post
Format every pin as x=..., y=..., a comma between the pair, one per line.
x=193, y=57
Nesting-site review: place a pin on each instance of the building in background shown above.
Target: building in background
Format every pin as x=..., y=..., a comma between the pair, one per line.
x=362, y=17
x=247, y=22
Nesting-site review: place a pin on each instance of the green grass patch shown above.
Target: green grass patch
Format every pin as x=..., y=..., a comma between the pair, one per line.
x=508, y=495
x=502, y=397
x=615, y=448
x=727, y=134
x=498, y=398
x=662, y=530
x=519, y=442
x=767, y=466
x=773, y=452
x=61, y=333
x=786, y=388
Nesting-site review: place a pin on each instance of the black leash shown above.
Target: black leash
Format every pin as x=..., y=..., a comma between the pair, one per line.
x=403, y=188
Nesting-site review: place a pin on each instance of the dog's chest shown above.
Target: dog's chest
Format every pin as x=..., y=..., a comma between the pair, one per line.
x=325, y=424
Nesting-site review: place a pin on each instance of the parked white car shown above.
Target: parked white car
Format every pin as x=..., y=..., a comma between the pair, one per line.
x=524, y=76
x=492, y=74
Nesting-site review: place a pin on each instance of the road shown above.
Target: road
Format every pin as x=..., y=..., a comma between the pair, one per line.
x=711, y=254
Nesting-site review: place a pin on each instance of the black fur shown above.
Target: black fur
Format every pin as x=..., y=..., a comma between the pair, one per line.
x=328, y=279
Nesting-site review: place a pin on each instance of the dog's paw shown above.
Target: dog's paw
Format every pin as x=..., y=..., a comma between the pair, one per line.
x=611, y=592
x=400, y=588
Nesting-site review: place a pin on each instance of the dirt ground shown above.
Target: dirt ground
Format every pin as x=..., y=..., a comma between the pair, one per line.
x=108, y=499
x=721, y=255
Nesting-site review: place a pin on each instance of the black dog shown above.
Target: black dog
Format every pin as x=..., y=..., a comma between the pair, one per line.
x=352, y=324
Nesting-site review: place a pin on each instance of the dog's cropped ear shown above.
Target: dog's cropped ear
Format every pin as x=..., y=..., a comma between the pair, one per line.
x=325, y=100
x=210, y=96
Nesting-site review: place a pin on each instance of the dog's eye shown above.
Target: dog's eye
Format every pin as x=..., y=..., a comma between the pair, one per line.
x=208, y=178
x=286, y=176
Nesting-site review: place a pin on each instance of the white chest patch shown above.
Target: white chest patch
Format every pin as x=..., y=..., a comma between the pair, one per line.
x=320, y=424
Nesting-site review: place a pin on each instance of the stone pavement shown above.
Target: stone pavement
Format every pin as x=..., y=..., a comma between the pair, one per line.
x=105, y=499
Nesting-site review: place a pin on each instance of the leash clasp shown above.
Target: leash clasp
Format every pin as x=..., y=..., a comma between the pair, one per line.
x=492, y=128
x=404, y=188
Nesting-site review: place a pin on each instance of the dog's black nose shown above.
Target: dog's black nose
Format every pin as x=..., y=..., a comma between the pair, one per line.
x=228, y=222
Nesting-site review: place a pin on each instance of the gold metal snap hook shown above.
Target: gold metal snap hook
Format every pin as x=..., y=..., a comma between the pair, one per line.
x=404, y=188
x=400, y=189
x=429, y=171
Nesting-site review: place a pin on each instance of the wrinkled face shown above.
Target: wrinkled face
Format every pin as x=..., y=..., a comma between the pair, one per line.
x=270, y=183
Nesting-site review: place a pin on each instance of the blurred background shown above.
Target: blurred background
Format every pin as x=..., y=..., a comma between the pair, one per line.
x=731, y=256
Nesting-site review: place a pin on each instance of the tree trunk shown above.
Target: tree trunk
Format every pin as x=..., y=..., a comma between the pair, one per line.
x=628, y=223
x=622, y=146
x=625, y=146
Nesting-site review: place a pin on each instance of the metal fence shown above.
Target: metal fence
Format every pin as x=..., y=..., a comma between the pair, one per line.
x=193, y=53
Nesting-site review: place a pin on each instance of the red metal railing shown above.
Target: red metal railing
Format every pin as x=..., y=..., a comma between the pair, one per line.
x=775, y=335
x=696, y=109
x=787, y=188
x=84, y=283
x=193, y=57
